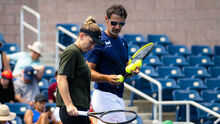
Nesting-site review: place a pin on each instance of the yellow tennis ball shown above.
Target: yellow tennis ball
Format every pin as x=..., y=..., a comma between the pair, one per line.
x=120, y=78
x=138, y=63
x=133, y=66
x=127, y=69
x=130, y=67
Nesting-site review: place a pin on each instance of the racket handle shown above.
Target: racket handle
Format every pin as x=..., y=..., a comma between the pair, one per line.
x=83, y=113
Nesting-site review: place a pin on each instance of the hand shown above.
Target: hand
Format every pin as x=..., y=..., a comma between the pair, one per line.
x=72, y=110
x=112, y=79
x=134, y=72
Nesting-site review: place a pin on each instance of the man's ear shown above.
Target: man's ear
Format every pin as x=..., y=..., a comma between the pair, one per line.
x=106, y=19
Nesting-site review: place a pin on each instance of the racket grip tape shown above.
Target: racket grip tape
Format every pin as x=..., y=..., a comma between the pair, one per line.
x=83, y=113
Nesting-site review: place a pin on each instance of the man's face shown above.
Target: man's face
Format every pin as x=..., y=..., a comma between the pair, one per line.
x=114, y=24
x=40, y=105
x=27, y=81
x=34, y=55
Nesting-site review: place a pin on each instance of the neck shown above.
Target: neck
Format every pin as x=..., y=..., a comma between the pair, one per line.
x=109, y=34
x=34, y=58
x=77, y=43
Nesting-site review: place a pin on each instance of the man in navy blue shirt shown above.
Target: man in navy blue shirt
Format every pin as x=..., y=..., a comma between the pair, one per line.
x=108, y=61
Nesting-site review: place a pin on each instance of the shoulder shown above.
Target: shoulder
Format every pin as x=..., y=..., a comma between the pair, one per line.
x=70, y=50
x=53, y=86
x=121, y=38
x=17, y=80
x=16, y=83
x=104, y=36
x=29, y=112
x=21, y=53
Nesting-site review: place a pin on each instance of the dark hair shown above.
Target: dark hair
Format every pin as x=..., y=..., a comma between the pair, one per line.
x=10, y=84
x=117, y=9
x=10, y=92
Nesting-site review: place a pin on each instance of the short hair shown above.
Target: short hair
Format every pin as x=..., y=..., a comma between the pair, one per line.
x=117, y=9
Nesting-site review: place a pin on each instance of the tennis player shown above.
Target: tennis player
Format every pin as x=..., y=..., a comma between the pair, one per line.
x=74, y=75
x=107, y=61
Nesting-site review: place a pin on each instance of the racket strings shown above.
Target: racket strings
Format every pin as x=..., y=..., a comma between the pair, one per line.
x=118, y=117
x=142, y=53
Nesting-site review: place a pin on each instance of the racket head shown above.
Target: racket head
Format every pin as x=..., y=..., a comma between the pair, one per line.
x=142, y=53
x=118, y=116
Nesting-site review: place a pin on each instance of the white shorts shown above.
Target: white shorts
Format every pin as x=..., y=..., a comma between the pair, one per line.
x=105, y=101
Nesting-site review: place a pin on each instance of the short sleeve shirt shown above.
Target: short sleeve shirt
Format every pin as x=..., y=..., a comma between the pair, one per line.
x=109, y=59
x=73, y=65
x=52, y=88
x=23, y=60
x=27, y=90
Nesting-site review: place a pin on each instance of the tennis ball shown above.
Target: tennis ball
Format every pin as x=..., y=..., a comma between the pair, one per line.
x=130, y=67
x=138, y=63
x=120, y=78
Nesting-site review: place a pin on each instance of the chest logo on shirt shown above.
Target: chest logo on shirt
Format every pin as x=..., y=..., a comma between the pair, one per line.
x=108, y=43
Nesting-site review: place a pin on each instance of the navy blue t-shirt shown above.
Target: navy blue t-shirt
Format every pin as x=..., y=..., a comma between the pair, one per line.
x=109, y=59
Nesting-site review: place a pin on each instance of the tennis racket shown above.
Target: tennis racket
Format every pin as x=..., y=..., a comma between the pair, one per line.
x=112, y=117
x=141, y=54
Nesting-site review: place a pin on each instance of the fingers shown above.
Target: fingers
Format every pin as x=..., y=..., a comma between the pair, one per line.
x=73, y=113
x=135, y=68
x=116, y=83
x=136, y=71
x=116, y=80
x=120, y=78
x=113, y=79
x=72, y=110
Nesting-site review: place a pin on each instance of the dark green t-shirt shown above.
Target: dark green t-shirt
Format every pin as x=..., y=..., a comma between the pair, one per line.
x=73, y=65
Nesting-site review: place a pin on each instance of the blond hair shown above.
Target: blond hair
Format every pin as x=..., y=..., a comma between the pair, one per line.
x=90, y=24
x=90, y=20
